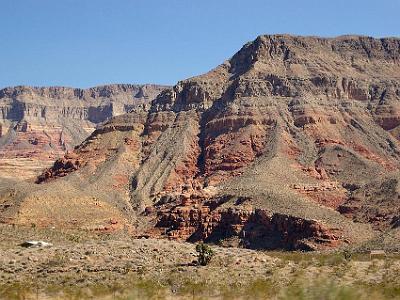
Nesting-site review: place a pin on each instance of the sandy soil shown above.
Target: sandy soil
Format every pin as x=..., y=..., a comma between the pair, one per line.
x=82, y=265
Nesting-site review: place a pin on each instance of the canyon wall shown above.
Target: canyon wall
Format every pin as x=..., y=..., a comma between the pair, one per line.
x=291, y=133
x=38, y=125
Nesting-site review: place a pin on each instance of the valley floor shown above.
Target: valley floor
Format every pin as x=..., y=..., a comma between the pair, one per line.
x=89, y=266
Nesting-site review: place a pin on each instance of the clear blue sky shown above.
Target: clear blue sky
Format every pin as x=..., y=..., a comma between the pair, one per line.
x=85, y=43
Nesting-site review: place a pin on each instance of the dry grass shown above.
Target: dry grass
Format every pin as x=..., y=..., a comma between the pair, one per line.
x=89, y=266
x=135, y=288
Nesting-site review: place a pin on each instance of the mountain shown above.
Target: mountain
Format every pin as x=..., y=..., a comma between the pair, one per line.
x=38, y=125
x=293, y=143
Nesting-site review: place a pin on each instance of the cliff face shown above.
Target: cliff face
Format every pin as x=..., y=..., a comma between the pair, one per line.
x=38, y=125
x=285, y=133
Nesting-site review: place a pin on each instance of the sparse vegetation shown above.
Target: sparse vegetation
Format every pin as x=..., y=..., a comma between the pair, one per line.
x=100, y=267
x=135, y=288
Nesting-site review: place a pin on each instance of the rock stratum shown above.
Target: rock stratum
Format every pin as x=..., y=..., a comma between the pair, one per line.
x=293, y=143
x=38, y=125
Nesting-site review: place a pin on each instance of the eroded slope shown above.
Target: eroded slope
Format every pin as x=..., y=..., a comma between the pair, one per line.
x=38, y=125
x=264, y=151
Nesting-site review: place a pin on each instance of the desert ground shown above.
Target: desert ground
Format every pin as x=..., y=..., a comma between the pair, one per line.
x=83, y=265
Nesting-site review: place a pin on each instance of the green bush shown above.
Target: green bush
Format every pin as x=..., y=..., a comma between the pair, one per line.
x=205, y=253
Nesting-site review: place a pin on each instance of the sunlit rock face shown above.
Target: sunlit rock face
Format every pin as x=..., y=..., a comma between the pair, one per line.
x=272, y=149
x=38, y=125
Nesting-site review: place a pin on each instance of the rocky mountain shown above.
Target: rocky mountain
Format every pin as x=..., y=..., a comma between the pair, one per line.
x=38, y=125
x=293, y=143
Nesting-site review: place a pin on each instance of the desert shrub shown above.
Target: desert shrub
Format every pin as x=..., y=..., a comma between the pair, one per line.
x=347, y=254
x=76, y=238
x=58, y=260
x=205, y=253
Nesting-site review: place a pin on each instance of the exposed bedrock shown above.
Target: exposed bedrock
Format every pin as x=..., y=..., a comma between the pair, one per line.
x=302, y=119
x=38, y=125
x=257, y=228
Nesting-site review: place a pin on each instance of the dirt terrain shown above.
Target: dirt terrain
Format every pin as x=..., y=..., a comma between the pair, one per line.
x=118, y=266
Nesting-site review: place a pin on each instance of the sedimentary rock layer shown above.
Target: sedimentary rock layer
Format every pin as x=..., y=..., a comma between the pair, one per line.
x=293, y=125
x=38, y=125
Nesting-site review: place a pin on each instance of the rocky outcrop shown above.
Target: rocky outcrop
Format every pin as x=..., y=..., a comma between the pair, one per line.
x=62, y=167
x=257, y=228
x=376, y=202
x=38, y=125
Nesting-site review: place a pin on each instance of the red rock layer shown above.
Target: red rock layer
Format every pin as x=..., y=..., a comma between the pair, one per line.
x=253, y=228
